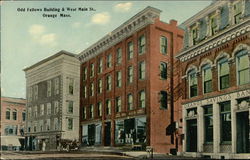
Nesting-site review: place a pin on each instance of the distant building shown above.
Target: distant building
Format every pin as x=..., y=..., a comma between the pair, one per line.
x=52, y=101
x=216, y=81
x=12, y=123
x=127, y=85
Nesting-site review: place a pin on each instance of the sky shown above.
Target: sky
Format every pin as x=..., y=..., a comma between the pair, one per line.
x=28, y=35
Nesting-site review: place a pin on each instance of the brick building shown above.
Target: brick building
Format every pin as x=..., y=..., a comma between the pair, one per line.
x=127, y=85
x=12, y=123
x=215, y=81
x=52, y=101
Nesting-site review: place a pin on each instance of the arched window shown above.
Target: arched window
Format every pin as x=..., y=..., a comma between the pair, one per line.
x=207, y=78
x=242, y=62
x=7, y=116
x=14, y=114
x=223, y=73
x=192, y=79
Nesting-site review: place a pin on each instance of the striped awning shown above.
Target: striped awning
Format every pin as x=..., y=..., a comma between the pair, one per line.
x=10, y=141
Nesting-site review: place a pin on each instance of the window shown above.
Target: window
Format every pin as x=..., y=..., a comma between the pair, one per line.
x=84, y=115
x=99, y=86
x=48, y=124
x=56, y=123
x=35, y=124
x=7, y=115
x=100, y=66
x=237, y=9
x=56, y=107
x=109, y=60
x=70, y=106
x=92, y=70
x=243, y=67
x=225, y=114
x=130, y=50
x=70, y=123
x=71, y=86
x=85, y=91
x=194, y=35
x=142, y=99
x=141, y=44
x=36, y=92
x=35, y=111
x=163, y=70
x=208, y=121
x=48, y=88
x=41, y=109
x=41, y=125
x=192, y=84
x=130, y=74
x=223, y=74
x=213, y=24
x=14, y=114
x=99, y=109
x=118, y=104
x=108, y=107
x=23, y=116
x=163, y=100
x=130, y=101
x=30, y=93
x=118, y=79
x=108, y=83
x=142, y=70
x=56, y=86
x=92, y=92
x=163, y=45
x=91, y=111
x=48, y=108
x=118, y=56
x=29, y=112
x=85, y=73
x=207, y=79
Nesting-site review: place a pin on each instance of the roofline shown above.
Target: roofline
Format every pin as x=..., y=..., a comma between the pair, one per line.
x=12, y=97
x=49, y=58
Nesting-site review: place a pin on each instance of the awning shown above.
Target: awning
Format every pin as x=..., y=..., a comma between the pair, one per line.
x=10, y=141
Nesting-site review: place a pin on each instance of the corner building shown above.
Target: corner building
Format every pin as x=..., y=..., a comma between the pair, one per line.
x=52, y=110
x=127, y=83
x=215, y=81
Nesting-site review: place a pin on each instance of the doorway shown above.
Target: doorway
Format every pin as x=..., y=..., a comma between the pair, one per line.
x=107, y=130
x=242, y=132
x=192, y=135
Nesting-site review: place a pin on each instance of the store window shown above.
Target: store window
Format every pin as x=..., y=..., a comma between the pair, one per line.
x=163, y=45
x=208, y=118
x=225, y=114
x=141, y=44
x=223, y=74
x=243, y=68
x=119, y=132
x=207, y=79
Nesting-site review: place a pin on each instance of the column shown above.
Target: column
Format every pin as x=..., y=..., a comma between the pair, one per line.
x=233, y=124
x=200, y=128
x=216, y=125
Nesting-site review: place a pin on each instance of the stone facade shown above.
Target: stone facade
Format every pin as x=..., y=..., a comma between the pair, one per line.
x=215, y=81
x=137, y=110
x=53, y=101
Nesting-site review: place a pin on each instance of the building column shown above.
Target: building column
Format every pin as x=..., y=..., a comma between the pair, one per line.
x=233, y=124
x=184, y=141
x=216, y=130
x=200, y=128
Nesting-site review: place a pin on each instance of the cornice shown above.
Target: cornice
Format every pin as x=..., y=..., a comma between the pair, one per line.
x=215, y=41
x=140, y=20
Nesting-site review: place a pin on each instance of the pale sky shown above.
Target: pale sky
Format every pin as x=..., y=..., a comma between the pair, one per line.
x=27, y=37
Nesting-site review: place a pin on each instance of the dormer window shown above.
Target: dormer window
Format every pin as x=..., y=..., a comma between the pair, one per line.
x=194, y=34
x=237, y=12
x=213, y=24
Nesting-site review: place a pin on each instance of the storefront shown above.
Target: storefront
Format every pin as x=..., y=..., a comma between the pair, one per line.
x=92, y=134
x=218, y=126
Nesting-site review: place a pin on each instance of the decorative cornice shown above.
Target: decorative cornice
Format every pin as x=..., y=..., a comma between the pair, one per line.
x=140, y=20
x=215, y=41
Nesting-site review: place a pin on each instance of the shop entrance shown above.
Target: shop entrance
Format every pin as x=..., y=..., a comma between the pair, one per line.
x=243, y=140
x=107, y=130
x=91, y=134
x=191, y=135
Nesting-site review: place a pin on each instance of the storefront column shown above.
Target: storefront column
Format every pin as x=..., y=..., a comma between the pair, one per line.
x=184, y=113
x=233, y=124
x=200, y=128
x=216, y=125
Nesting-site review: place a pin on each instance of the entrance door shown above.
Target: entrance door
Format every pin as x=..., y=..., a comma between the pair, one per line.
x=191, y=135
x=107, y=129
x=91, y=134
x=243, y=132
